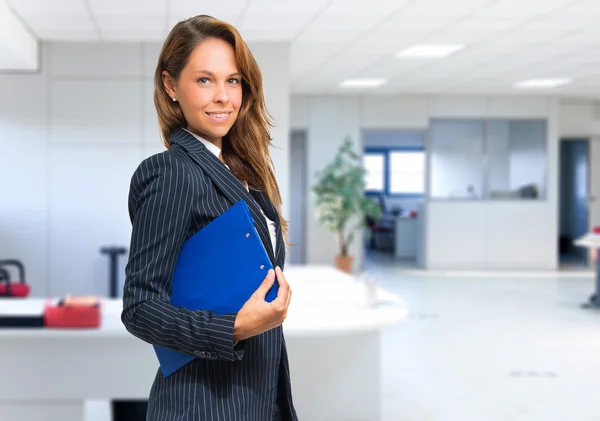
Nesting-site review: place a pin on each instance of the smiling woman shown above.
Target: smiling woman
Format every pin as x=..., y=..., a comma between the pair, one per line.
x=205, y=68
x=213, y=119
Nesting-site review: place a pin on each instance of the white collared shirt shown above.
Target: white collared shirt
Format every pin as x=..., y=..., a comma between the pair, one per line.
x=216, y=152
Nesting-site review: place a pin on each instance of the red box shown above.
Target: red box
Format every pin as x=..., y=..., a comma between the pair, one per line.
x=65, y=316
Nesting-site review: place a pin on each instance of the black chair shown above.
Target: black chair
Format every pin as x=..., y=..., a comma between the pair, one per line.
x=378, y=233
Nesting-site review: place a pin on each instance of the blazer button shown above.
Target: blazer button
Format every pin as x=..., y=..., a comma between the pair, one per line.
x=262, y=266
x=247, y=234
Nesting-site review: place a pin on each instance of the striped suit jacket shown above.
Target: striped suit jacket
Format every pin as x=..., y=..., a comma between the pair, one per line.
x=174, y=194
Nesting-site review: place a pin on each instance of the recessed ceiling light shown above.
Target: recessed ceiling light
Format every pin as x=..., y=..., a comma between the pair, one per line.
x=434, y=51
x=543, y=83
x=362, y=83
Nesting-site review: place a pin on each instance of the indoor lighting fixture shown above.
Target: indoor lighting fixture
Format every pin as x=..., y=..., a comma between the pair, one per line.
x=362, y=83
x=434, y=51
x=543, y=83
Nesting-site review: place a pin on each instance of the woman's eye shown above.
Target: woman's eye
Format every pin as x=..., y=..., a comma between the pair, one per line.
x=234, y=81
x=203, y=80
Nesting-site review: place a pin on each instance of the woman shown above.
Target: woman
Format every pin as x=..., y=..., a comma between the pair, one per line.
x=212, y=115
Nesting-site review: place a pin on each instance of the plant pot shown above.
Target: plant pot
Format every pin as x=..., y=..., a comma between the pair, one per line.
x=344, y=263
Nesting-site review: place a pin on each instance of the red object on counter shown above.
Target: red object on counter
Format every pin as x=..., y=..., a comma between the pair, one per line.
x=15, y=289
x=596, y=229
x=10, y=288
x=72, y=316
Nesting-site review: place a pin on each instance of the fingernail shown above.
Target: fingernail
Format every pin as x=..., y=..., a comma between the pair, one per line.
x=270, y=271
x=277, y=267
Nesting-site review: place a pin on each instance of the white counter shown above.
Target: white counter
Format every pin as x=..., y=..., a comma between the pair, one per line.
x=329, y=329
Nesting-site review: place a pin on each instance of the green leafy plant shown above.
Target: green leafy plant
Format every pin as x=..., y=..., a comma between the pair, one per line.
x=340, y=199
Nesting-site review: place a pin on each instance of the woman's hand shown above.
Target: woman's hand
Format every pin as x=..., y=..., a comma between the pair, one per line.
x=257, y=315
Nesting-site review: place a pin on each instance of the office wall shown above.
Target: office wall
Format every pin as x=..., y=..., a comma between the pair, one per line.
x=327, y=121
x=23, y=174
x=497, y=234
x=72, y=137
x=457, y=234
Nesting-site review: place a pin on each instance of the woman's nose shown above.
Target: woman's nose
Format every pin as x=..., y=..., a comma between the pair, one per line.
x=221, y=94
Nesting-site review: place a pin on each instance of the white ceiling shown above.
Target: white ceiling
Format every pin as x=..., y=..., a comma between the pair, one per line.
x=506, y=40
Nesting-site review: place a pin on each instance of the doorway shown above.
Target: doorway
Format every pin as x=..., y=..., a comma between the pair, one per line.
x=574, y=188
x=298, y=197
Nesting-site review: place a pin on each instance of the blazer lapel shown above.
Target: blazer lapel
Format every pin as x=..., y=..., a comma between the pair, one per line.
x=226, y=182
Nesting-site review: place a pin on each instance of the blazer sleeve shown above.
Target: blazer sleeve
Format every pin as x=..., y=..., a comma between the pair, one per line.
x=160, y=206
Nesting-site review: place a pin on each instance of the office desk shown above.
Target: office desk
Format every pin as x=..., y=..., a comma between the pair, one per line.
x=407, y=235
x=333, y=342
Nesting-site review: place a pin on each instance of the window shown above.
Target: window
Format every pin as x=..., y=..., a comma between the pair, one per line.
x=373, y=163
x=407, y=170
x=395, y=171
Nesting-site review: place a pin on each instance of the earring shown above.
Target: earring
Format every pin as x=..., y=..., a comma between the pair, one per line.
x=174, y=99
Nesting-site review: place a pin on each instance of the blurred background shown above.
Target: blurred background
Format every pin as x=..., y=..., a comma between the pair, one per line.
x=477, y=123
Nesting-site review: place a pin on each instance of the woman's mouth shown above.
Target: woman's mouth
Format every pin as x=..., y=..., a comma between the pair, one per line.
x=219, y=117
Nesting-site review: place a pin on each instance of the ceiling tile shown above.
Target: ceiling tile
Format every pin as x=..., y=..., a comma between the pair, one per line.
x=355, y=24
x=41, y=23
x=66, y=35
x=262, y=35
x=172, y=20
x=112, y=23
x=466, y=37
x=274, y=29
x=403, y=24
x=332, y=35
x=133, y=35
x=520, y=37
x=134, y=8
x=383, y=39
x=514, y=8
x=125, y=29
x=448, y=9
x=270, y=8
x=557, y=21
x=489, y=24
x=307, y=56
x=363, y=9
x=326, y=45
x=50, y=8
x=581, y=9
x=189, y=8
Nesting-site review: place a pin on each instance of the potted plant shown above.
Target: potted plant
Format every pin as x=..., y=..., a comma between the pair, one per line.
x=340, y=200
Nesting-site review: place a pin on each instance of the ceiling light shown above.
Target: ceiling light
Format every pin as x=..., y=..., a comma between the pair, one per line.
x=543, y=83
x=362, y=83
x=434, y=51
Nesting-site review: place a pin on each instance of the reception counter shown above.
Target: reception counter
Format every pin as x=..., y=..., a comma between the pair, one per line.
x=332, y=336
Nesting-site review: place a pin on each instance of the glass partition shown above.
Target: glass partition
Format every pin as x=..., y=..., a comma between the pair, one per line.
x=456, y=159
x=488, y=159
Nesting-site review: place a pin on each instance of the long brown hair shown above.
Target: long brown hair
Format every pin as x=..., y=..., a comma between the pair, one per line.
x=245, y=148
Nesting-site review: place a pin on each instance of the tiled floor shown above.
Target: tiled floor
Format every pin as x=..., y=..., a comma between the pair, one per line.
x=491, y=347
x=486, y=347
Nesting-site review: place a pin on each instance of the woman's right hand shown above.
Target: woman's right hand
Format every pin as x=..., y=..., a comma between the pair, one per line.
x=257, y=315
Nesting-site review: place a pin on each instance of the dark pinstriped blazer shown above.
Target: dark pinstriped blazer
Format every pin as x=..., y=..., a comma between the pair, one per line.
x=174, y=194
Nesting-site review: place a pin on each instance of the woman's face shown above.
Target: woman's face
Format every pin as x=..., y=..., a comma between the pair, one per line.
x=209, y=90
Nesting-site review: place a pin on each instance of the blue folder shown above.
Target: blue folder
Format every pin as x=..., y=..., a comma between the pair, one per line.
x=217, y=269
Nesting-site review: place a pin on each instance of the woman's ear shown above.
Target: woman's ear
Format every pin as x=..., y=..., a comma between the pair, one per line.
x=168, y=84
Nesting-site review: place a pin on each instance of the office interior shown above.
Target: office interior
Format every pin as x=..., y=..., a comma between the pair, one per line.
x=478, y=125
